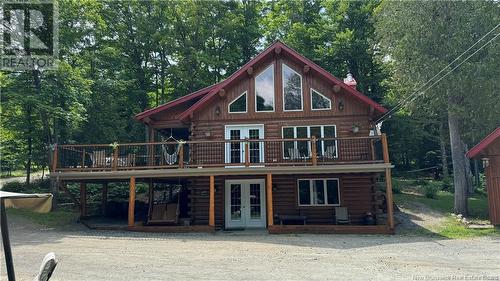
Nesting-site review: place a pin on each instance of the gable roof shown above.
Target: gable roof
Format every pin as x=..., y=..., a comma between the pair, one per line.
x=200, y=93
x=208, y=93
x=482, y=145
x=294, y=54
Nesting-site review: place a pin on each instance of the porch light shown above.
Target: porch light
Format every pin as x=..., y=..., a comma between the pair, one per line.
x=217, y=111
x=341, y=105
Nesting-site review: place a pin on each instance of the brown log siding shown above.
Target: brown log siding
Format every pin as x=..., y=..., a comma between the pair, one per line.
x=356, y=193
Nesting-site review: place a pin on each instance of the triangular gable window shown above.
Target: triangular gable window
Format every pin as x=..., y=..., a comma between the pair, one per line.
x=239, y=105
x=319, y=101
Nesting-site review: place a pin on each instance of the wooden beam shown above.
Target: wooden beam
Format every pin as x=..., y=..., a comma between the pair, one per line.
x=385, y=149
x=314, y=156
x=211, y=208
x=388, y=193
x=181, y=156
x=83, y=199
x=131, y=203
x=336, y=89
x=83, y=158
x=247, y=154
x=269, y=199
x=306, y=68
x=277, y=50
x=54, y=159
x=71, y=196
x=222, y=93
x=104, y=198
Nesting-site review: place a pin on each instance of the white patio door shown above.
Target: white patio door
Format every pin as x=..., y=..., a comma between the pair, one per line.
x=245, y=205
x=235, y=151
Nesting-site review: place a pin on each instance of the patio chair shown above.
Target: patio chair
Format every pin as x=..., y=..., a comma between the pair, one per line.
x=128, y=161
x=341, y=215
x=294, y=153
x=330, y=152
x=98, y=158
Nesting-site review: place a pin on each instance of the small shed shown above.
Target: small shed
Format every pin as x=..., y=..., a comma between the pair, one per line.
x=489, y=151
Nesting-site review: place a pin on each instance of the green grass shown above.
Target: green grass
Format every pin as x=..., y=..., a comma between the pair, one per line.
x=478, y=205
x=412, y=191
x=51, y=219
x=453, y=229
x=16, y=173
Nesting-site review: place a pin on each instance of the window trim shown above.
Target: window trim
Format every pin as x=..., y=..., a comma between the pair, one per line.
x=255, y=89
x=311, y=194
x=283, y=89
x=246, y=103
x=317, y=92
x=309, y=135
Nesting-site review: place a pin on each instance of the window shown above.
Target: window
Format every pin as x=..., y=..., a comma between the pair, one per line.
x=319, y=101
x=318, y=192
x=326, y=146
x=239, y=104
x=264, y=90
x=292, y=89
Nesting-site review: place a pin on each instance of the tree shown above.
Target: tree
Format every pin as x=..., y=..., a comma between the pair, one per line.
x=419, y=40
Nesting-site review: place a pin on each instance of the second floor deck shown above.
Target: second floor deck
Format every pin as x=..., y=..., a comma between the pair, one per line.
x=214, y=155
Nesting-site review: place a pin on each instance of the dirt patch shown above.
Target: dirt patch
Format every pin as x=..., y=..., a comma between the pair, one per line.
x=415, y=216
x=99, y=255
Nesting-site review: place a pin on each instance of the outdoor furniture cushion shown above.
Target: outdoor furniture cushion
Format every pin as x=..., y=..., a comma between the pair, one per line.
x=289, y=218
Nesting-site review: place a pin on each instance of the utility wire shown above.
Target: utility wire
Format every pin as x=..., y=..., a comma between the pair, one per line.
x=412, y=96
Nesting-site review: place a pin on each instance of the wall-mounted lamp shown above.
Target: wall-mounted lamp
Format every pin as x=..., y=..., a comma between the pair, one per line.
x=341, y=105
x=217, y=111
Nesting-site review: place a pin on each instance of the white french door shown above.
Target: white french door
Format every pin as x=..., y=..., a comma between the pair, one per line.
x=235, y=150
x=245, y=205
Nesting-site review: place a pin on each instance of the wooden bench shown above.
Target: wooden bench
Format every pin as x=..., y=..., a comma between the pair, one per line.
x=289, y=218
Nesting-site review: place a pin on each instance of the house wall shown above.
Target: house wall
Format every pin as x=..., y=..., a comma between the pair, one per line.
x=357, y=193
x=493, y=181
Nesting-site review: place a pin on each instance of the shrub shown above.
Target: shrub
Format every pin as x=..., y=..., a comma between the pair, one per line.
x=447, y=184
x=36, y=186
x=396, y=187
x=421, y=182
x=431, y=189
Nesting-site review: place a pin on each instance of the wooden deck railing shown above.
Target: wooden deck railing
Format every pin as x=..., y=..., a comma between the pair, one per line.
x=219, y=153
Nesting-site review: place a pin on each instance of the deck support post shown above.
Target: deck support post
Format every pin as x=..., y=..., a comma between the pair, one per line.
x=388, y=191
x=269, y=199
x=83, y=199
x=314, y=153
x=211, y=208
x=388, y=184
x=131, y=203
x=104, y=198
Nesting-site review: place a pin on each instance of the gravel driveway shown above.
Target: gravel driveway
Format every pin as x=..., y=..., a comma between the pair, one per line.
x=91, y=255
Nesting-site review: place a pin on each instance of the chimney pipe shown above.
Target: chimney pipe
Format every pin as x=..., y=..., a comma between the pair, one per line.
x=350, y=81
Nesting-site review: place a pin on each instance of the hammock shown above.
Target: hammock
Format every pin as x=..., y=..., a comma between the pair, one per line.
x=171, y=158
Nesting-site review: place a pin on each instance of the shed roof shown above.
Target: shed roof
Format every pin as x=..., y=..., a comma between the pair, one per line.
x=484, y=144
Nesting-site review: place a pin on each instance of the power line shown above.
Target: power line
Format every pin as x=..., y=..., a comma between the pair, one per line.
x=412, y=96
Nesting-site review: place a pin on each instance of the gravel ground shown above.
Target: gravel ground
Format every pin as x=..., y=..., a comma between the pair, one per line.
x=93, y=255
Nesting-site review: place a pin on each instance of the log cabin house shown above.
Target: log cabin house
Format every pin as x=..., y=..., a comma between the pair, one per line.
x=280, y=144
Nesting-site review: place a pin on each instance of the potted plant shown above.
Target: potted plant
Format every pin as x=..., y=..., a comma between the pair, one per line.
x=355, y=128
